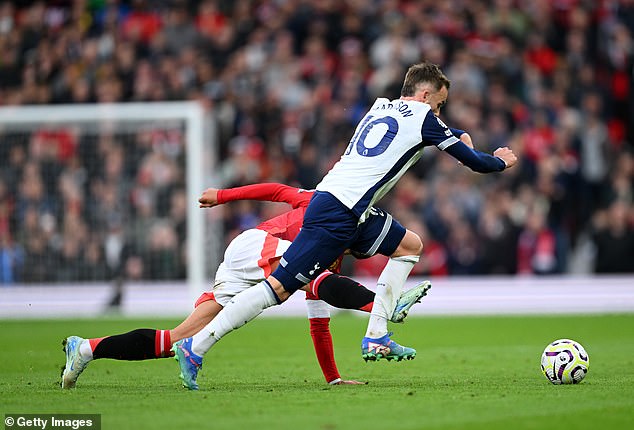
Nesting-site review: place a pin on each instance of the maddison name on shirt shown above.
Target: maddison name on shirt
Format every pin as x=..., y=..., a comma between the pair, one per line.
x=401, y=107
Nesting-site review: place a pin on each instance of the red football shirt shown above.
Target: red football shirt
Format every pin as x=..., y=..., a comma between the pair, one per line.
x=285, y=226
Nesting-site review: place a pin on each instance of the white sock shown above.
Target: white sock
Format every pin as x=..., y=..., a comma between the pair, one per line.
x=85, y=351
x=240, y=310
x=388, y=290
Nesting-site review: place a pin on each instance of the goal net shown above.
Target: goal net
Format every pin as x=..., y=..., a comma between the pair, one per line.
x=94, y=193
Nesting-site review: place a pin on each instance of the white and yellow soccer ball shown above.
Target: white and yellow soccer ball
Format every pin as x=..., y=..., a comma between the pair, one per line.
x=565, y=361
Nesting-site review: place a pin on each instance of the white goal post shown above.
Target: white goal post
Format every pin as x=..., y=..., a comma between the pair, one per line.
x=200, y=158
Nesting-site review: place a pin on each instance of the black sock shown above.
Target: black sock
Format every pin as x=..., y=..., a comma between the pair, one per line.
x=139, y=344
x=342, y=292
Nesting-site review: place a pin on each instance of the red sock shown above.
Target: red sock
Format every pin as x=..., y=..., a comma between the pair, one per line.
x=162, y=344
x=313, y=294
x=367, y=308
x=139, y=344
x=322, y=341
x=94, y=342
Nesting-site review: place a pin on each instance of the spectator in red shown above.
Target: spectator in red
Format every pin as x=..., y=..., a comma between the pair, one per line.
x=210, y=21
x=539, y=138
x=142, y=23
x=537, y=246
x=540, y=55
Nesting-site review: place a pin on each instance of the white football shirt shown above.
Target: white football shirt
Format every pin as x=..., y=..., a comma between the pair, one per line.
x=388, y=140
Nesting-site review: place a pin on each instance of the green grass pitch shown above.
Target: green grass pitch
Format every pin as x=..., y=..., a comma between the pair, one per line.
x=470, y=373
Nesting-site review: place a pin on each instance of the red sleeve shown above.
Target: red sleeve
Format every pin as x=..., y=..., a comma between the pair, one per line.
x=322, y=341
x=270, y=192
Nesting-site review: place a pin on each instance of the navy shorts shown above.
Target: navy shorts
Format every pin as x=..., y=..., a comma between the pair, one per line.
x=329, y=229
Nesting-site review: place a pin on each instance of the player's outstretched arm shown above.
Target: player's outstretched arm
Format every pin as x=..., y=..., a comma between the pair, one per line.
x=436, y=132
x=270, y=192
x=502, y=158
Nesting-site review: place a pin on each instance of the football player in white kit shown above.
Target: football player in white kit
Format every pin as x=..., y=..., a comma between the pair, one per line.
x=389, y=139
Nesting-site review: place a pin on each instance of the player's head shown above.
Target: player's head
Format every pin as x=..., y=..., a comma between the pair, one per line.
x=425, y=82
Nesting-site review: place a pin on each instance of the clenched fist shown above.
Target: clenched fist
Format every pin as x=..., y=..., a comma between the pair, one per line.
x=209, y=199
x=506, y=155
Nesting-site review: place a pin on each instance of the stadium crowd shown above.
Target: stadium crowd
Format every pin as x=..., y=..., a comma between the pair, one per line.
x=286, y=81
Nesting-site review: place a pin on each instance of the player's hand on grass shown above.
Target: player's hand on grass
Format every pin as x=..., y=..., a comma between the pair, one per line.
x=209, y=199
x=506, y=155
x=350, y=382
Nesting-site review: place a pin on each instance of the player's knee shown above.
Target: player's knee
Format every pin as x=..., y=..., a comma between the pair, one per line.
x=411, y=244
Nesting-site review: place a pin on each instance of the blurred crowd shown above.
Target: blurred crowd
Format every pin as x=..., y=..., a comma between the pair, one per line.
x=286, y=82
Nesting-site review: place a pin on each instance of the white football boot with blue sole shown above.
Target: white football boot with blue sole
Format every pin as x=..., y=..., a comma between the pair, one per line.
x=75, y=364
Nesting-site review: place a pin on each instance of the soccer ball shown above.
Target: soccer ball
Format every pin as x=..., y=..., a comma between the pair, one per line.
x=564, y=361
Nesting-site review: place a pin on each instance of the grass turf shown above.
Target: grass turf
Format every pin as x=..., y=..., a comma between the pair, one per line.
x=471, y=372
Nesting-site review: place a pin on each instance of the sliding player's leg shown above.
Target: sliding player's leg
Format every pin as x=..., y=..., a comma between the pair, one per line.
x=206, y=309
x=138, y=344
